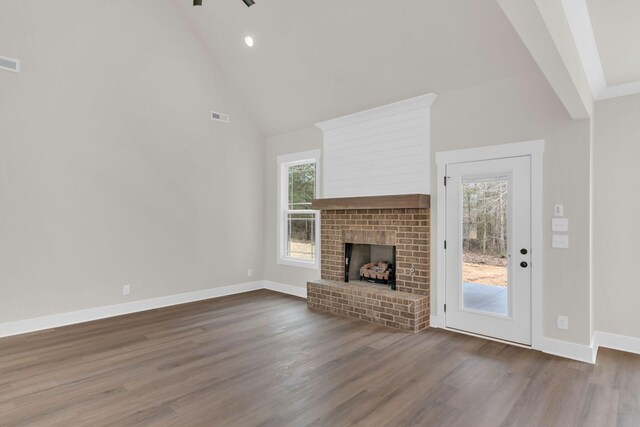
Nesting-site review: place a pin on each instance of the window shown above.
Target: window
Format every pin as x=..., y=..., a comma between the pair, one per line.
x=298, y=223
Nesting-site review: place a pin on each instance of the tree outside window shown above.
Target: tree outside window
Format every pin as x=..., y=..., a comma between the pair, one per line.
x=299, y=222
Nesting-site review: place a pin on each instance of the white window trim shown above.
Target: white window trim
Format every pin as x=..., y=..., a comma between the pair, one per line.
x=284, y=162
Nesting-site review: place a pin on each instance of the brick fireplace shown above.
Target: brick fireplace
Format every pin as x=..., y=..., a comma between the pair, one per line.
x=400, y=222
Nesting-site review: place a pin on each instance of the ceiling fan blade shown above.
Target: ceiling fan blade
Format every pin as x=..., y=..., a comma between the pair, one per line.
x=247, y=2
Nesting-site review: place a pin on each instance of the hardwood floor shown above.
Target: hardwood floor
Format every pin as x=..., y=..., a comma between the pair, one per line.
x=263, y=359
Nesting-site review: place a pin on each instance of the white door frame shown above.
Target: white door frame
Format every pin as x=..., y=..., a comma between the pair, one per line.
x=535, y=150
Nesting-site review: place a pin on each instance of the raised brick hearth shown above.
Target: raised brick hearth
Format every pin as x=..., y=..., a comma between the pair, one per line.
x=375, y=221
x=373, y=303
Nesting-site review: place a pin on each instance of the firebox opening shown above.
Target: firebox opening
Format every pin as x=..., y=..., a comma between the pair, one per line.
x=370, y=263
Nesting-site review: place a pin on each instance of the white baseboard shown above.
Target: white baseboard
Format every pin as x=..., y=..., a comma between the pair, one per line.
x=616, y=342
x=580, y=352
x=71, y=318
x=297, y=291
x=88, y=315
x=569, y=350
x=436, y=321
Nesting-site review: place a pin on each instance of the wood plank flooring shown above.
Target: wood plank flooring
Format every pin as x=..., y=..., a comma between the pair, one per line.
x=263, y=359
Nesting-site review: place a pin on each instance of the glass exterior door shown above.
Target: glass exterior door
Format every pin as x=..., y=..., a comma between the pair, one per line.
x=488, y=276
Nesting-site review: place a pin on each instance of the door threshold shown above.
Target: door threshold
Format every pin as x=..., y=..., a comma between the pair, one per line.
x=488, y=338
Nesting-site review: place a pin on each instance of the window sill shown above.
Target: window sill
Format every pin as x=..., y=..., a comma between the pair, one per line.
x=312, y=265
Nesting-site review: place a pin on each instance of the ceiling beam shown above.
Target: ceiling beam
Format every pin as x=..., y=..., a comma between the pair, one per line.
x=579, y=20
x=556, y=56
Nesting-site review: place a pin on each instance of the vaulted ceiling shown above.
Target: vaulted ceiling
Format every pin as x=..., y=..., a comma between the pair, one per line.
x=316, y=60
x=617, y=33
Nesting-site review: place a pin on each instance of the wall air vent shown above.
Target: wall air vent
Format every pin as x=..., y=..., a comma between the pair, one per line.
x=9, y=64
x=219, y=117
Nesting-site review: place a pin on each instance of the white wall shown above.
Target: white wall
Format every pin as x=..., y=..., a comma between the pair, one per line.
x=617, y=216
x=520, y=108
x=111, y=172
x=523, y=108
x=292, y=142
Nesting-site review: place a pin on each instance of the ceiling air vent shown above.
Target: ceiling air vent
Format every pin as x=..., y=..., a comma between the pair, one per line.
x=219, y=117
x=9, y=64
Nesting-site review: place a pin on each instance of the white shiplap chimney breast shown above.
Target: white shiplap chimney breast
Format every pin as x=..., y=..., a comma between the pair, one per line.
x=379, y=152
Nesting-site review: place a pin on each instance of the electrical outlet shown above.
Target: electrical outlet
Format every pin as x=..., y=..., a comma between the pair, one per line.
x=559, y=241
x=249, y=273
x=126, y=290
x=563, y=322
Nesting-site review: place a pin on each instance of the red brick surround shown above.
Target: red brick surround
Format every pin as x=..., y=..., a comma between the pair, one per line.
x=406, y=229
x=400, y=221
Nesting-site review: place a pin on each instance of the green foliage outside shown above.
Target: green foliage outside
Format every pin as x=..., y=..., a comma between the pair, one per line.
x=302, y=186
x=485, y=217
x=302, y=191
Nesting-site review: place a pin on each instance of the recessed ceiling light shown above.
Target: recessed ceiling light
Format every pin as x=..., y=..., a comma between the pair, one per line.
x=249, y=41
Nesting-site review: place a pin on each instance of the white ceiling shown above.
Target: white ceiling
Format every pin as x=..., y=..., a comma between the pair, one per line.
x=616, y=25
x=317, y=60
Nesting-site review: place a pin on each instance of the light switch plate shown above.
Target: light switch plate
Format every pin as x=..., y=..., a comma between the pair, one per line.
x=559, y=241
x=560, y=224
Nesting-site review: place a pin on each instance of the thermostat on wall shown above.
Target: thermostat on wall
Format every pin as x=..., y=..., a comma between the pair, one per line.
x=220, y=117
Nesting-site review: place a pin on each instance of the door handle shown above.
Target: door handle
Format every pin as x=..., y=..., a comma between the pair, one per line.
x=524, y=264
